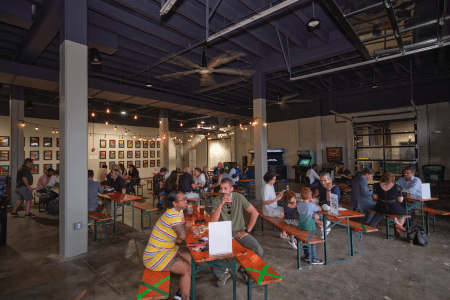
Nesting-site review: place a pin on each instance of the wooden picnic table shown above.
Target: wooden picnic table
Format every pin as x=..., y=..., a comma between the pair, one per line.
x=200, y=257
x=410, y=199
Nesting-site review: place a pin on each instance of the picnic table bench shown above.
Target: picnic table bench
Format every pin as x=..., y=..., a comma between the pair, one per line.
x=99, y=219
x=154, y=285
x=430, y=214
x=145, y=210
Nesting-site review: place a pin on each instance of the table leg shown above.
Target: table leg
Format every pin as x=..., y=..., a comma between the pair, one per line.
x=421, y=211
x=325, y=237
x=193, y=279
x=349, y=237
x=234, y=278
x=115, y=216
x=132, y=222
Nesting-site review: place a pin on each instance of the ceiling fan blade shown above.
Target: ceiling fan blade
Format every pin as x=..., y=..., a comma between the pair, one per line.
x=206, y=80
x=284, y=106
x=237, y=72
x=299, y=101
x=184, y=62
x=168, y=77
x=287, y=97
x=224, y=59
x=272, y=103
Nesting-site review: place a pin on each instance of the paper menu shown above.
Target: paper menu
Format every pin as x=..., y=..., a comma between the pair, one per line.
x=220, y=235
x=334, y=204
x=426, y=192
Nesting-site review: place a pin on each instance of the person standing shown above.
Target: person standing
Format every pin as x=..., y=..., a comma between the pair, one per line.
x=24, y=189
x=361, y=196
x=101, y=175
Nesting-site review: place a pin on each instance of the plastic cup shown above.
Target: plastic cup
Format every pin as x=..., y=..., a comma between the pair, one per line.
x=202, y=210
x=190, y=210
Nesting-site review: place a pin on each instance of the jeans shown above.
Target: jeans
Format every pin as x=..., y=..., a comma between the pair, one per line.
x=368, y=206
x=247, y=241
x=131, y=185
x=313, y=249
x=161, y=199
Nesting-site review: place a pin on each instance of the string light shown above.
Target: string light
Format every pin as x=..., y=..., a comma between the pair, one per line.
x=134, y=137
x=115, y=128
x=265, y=124
x=135, y=117
x=93, y=114
x=228, y=125
x=36, y=128
x=53, y=131
x=198, y=126
x=106, y=122
x=160, y=122
x=181, y=124
x=90, y=135
x=107, y=110
x=56, y=130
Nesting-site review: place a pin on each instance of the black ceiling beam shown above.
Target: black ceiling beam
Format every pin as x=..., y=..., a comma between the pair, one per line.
x=442, y=9
x=394, y=24
x=334, y=9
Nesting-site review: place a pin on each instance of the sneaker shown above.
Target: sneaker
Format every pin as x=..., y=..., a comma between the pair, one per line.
x=292, y=243
x=317, y=261
x=30, y=215
x=223, y=279
x=307, y=258
x=178, y=295
x=13, y=214
x=244, y=274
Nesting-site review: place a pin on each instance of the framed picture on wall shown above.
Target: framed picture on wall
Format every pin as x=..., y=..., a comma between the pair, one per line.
x=4, y=141
x=34, y=142
x=102, y=154
x=152, y=144
x=145, y=154
x=137, y=164
x=4, y=155
x=57, y=155
x=145, y=144
x=48, y=155
x=34, y=155
x=129, y=162
x=129, y=154
x=112, y=154
x=57, y=142
x=47, y=166
x=57, y=166
x=112, y=143
x=137, y=154
x=158, y=144
x=121, y=162
x=34, y=169
x=158, y=163
x=4, y=169
x=121, y=144
x=102, y=163
x=47, y=143
x=129, y=144
x=121, y=154
x=158, y=153
x=145, y=163
x=102, y=143
x=152, y=163
x=111, y=164
x=152, y=153
x=137, y=144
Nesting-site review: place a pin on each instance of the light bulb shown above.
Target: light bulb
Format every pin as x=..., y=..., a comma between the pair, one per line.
x=181, y=124
x=107, y=110
x=56, y=131
x=93, y=114
x=106, y=122
x=36, y=128
x=53, y=131
x=160, y=122
x=265, y=124
x=115, y=128
x=135, y=117
x=228, y=125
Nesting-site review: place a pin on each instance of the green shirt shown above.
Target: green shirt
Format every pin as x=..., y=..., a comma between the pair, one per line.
x=238, y=206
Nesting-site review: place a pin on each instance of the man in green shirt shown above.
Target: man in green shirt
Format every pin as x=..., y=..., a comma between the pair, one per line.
x=230, y=206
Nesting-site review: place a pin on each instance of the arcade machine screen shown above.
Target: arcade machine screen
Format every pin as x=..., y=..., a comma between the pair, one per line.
x=304, y=162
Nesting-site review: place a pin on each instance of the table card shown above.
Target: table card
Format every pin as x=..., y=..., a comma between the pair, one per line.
x=334, y=204
x=426, y=193
x=220, y=235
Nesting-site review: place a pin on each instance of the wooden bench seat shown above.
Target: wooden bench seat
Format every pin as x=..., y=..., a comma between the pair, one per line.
x=145, y=210
x=389, y=219
x=154, y=285
x=430, y=214
x=347, y=206
x=259, y=272
x=99, y=219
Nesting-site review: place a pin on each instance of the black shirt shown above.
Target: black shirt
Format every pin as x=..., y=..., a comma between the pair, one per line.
x=134, y=174
x=346, y=172
x=119, y=184
x=24, y=171
x=342, y=180
x=184, y=183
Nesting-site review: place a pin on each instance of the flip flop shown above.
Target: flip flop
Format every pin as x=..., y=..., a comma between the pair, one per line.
x=399, y=226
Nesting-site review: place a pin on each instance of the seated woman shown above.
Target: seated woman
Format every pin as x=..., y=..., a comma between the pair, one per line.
x=161, y=253
x=133, y=174
x=313, y=177
x=124, y=171
x=270, y=199
x=171, y=183
x=389, y=199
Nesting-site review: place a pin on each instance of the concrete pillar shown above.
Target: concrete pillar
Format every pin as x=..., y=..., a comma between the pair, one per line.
x=17, y=133
x=164, y=132
x=319, y=152
x=73, y=111
x=259, y=130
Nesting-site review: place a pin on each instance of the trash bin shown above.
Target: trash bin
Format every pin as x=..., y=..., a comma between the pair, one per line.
x=433, y=174
x=3, y=219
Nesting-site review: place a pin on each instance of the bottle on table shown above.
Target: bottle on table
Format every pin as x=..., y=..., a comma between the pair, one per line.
x=287, y=188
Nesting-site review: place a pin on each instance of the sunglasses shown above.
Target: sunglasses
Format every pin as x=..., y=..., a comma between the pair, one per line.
x=229, y=209
x=200, y=221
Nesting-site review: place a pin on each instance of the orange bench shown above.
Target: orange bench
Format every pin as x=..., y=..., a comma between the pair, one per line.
x=145, y=210
x=154, y=285
x=430, y=214
x=259, y=272
x=389, y=219
x=99, y=219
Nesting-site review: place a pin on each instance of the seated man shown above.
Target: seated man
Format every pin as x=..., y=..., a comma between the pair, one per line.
x=234, y=173
x=43, y=180
x=109, y=179
x=230, y=206
x=54, y=181
x=361, y=196
x=94, y=188
x=413, y=185
x=119, y=184
x=186, y=181
x=216, y=171
x=158, y=185
x=342, y=176
x=199, y=180
x=325, y=189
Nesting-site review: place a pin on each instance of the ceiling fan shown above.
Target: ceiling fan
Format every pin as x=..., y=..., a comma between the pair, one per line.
x=206, y=70
x=282, y=101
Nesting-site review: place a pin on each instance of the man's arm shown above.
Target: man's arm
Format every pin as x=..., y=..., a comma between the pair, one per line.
x=316, y=193
x=253, y=217
x=181, y=230
x=365, y=192
x=417, y=184
x=215, y=214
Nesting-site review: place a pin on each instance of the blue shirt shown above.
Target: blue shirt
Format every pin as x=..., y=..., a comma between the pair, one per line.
x=94, y=188
x=361, y=194
x=305, y=219
x=323, y=194
x=414, y=185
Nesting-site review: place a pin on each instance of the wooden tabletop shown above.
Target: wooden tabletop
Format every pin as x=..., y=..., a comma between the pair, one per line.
x=410, y=197
x=246, y=180
x=119, y=197
x=343, y=214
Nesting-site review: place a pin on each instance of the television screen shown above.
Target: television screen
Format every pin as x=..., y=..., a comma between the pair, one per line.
x=304, y=162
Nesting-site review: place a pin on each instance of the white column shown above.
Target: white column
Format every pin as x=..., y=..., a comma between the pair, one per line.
x=164, y=132
x=17, y=153
x=259, y=131
x=319, y=152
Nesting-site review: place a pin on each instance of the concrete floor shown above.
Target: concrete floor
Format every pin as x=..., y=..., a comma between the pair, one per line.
x=112, y=269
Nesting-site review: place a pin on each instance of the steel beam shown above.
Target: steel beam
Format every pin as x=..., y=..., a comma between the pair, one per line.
x=393, y=20
x=442, y=7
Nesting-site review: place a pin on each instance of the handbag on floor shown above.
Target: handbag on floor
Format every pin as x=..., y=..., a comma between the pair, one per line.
x=53, y=207
x=420, y=238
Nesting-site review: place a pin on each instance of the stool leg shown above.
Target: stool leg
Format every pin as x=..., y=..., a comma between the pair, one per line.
x=95, y=230
x=249, y=288
x=265, y=291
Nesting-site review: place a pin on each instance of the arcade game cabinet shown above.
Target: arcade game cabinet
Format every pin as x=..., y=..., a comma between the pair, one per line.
x=305, y=161
x=275, y=162
x=334, y=156
x=251, y=163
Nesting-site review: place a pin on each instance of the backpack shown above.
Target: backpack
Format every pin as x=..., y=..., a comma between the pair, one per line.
x=238, y=172
x=420, y=237
x=53, y=207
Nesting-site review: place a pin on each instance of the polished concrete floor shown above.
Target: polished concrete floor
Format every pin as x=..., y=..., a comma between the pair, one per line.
x=30, y=267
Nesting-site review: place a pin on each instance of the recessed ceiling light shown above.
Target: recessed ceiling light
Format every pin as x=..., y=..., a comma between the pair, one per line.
x=203, y=122
x=123, y=112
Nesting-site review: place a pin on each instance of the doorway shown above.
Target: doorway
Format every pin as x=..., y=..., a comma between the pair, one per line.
x=192, y=158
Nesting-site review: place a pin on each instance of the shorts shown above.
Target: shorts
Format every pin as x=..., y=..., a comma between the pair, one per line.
x=24, y=193
x=99, y=209
x=291, y=222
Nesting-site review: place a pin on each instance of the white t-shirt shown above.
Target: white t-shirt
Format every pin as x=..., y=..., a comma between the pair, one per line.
x=200, y=179
x=312, y=175
x=268, y=194
x=166, y=176
x=53, y=180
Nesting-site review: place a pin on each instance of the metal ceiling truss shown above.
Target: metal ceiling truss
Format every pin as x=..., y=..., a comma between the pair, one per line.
x=209, y=16
x=394, y=24
x=287, y=56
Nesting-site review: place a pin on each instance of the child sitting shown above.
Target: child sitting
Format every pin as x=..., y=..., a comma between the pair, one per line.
x=290, y=205
x=306, y=209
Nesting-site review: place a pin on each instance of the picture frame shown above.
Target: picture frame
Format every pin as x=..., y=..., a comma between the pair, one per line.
x=145, y=154
x=34, y=141
x=48, y=141
x=57, y=142
x=129, y=154
x=57, y=155
x=137, y=154
x=145, y=163
x=152, y=153
x=102, y=154
x=129, y=143
x=121, y=162
x=158, y=153
x=102, y=143
x=158, y=163
x=121, y=154
x=47, y=166
x=4, y=169
x=112, y=154
x=48, y=155
x=34, y=169
x=145, y=144
x=111, y=164
x=34, y=155
x=152, y=144
x=4, y=155
x=101, y=164
x=121, y=144
x=112, y=143
x=129, y=162
x=4, y=141
x=158, y=144
x=152, y=163
x=137, y=164
x=137, y=144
